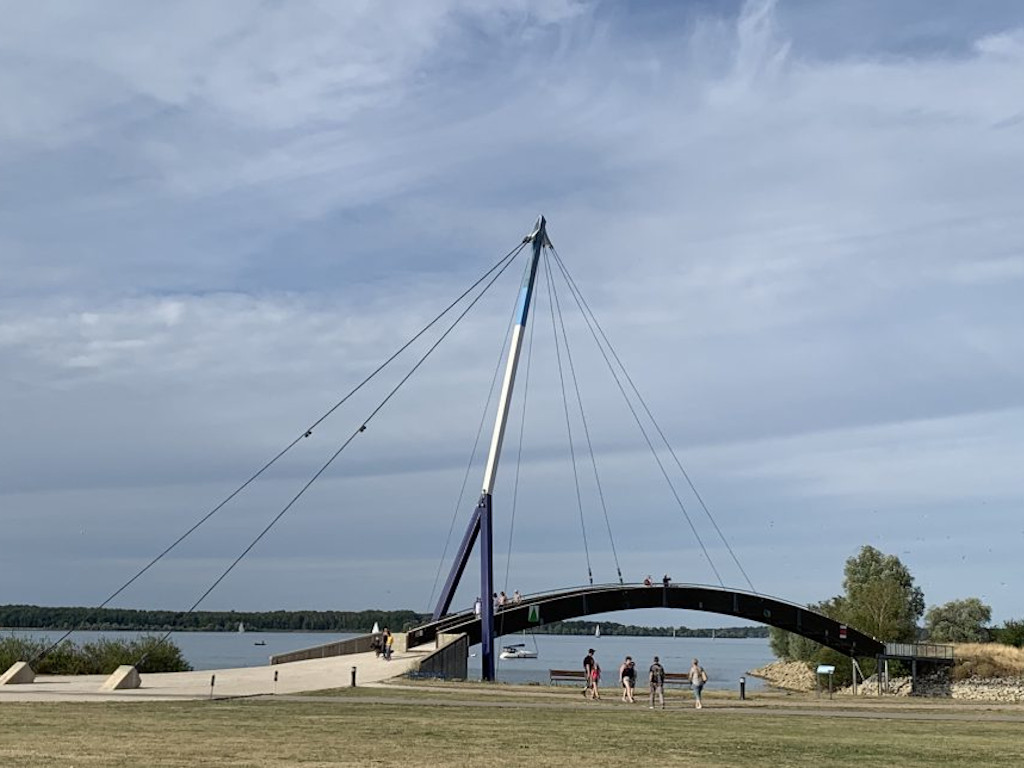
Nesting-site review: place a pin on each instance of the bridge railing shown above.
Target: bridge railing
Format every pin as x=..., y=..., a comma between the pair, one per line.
x=919, y=651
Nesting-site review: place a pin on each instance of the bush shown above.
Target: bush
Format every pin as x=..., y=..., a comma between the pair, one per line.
x=1011, y=633
x=100, y=657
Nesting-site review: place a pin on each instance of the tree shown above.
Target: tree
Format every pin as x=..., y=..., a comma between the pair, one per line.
x=1011, y=633
x=881, y=598
x=959, y=621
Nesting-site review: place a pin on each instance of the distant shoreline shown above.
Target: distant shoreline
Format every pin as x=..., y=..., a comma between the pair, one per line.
x=47, y=618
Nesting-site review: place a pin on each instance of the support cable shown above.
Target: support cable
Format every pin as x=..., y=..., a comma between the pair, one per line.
x=654, y=421
x=359, y=430
x=639, y=422
x=586, y=428
x=506, y=260
x=568, y=420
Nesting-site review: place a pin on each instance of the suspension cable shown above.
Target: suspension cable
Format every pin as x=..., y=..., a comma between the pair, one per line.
x=586, y=428
x=639, y=423
x=359, y=430
x=306, y=433
x=657, y=426
x=568, y=421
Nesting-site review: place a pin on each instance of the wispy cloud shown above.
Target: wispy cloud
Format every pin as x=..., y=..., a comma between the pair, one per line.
x=798, y=223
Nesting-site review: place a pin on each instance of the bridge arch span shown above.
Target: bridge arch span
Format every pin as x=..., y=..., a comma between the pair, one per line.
x=584, y=601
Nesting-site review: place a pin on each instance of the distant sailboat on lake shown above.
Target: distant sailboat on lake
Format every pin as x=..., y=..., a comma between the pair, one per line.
x=241, y=627
x=597, y=632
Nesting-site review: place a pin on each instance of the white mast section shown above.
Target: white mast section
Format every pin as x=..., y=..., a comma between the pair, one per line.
x=539, y=238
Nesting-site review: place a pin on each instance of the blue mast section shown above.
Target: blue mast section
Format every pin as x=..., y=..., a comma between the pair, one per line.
x=480, y=523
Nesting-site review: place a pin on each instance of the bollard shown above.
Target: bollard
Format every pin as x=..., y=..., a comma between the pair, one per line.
x=743, y=689
x=353, y=677
x=213, y=679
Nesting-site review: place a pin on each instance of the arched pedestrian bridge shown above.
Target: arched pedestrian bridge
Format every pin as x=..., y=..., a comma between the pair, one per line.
x=537, y=610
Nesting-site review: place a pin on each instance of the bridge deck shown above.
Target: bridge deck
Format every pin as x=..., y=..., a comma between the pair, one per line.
x=537, y=610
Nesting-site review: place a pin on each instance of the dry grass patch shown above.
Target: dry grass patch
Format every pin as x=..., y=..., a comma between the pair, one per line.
x=988, y=660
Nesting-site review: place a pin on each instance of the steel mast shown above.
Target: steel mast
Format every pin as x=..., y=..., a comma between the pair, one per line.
x=480, y=523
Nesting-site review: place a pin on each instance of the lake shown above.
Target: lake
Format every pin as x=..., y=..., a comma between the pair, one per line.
x=726, y=660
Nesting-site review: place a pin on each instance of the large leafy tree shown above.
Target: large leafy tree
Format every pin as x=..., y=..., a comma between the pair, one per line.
x=881, y=598
x=959, y=621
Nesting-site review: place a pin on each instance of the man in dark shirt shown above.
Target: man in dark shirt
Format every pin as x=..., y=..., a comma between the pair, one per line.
x=588, y=669
x=657, y=682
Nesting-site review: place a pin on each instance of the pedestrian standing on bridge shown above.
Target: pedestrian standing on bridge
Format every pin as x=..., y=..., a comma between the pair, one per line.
x=666, y=580
x=517, y=597
x=657, y=678
x=697, y=679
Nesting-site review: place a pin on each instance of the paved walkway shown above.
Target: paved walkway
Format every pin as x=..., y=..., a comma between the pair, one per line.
x=296, y=677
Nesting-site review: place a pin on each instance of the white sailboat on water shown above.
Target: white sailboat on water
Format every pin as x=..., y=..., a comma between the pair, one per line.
x=597, y=632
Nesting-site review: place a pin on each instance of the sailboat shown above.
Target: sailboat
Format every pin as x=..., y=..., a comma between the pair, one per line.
x=241, y=627
x=376, y=628
x=597, y=632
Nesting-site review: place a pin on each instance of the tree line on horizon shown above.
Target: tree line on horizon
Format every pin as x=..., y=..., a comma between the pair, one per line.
x=63, y=618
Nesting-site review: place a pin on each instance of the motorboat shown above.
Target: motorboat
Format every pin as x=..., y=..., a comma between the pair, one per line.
x=517, y=651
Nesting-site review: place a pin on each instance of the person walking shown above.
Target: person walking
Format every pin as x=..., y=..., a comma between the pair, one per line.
x=697, y=679
x=588, y=669
x=627, y=678
x=657, y=679
x=592, y=671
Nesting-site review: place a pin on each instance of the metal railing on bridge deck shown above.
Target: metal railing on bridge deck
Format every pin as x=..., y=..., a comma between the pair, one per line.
x=920, y=651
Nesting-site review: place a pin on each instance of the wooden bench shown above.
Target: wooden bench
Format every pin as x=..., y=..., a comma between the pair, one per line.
x=578, y=676
x=566, y=676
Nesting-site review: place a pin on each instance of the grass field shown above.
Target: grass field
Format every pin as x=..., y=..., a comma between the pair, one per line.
x=467, y=728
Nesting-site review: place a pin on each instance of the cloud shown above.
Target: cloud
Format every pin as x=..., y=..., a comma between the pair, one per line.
x=804, y=242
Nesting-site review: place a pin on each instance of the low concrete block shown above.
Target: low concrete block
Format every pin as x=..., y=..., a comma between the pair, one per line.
x=19, y=673
x=124, y=677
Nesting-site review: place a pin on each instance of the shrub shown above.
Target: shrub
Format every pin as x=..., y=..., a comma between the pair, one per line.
x=100, y=657
x=1011, y=633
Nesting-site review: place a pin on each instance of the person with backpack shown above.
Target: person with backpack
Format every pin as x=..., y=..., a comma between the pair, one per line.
x=657, y=680
x=697, y=679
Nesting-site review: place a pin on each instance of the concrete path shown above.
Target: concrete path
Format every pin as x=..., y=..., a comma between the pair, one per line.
x=296, y=677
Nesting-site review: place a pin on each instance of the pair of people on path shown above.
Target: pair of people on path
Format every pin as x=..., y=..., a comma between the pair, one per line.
x=592, y=672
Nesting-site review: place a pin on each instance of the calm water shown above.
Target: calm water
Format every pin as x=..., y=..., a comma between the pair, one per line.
x=213, y=650
x=725, y=660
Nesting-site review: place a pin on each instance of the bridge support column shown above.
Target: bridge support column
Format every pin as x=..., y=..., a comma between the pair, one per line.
x=486, y=590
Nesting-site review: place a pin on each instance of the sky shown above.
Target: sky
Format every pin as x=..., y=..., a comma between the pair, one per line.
x=797, y=222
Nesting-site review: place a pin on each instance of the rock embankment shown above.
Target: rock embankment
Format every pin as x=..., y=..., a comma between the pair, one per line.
x=791, y=675
x=1002, y=689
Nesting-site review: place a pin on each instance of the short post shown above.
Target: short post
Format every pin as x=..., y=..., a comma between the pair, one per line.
x=353, y=676
x=213, y=679
x=275, y=682
x=743, y=689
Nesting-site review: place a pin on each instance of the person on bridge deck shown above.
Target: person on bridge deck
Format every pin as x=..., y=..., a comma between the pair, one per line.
x=385, y=644
x=592, y=672
x=390, y=647
x=502, y=599
x=517, y=598
x=648, y=582
x=476, y=607
x=657, y=678
x=627, y=677
x=666, y=580
x=697, y=679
